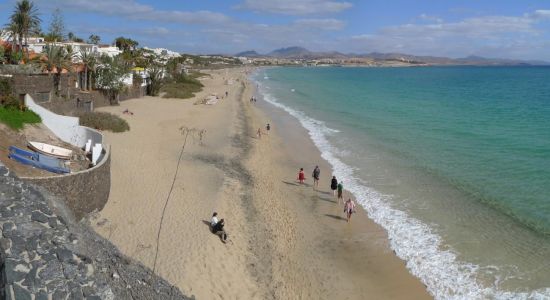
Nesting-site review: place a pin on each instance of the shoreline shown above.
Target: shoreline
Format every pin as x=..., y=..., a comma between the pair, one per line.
x=358, y=251
x=287, y=241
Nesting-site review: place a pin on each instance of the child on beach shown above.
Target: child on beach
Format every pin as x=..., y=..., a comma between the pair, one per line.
x=349, y=208
x=315, y=175
x=340, y=191
x=301, y=176
x=334, y=185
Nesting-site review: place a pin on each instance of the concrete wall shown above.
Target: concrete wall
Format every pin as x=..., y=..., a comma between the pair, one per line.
x=84, y=191
x=66, y=128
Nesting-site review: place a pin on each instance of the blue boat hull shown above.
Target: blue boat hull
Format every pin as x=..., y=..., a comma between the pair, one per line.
x=37, y=160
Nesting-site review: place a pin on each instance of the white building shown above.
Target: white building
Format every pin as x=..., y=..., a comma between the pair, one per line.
x=38, y=44
x=163, y=52
x=110, y=51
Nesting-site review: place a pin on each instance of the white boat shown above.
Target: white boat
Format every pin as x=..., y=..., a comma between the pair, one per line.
x=51, y=150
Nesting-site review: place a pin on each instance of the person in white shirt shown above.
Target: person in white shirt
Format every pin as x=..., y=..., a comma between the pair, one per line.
x=214, y=220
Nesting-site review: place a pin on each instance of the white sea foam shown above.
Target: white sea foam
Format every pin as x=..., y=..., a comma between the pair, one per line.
x=413, y=241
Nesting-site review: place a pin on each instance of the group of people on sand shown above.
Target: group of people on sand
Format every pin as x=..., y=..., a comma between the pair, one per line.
x=336, y=187
x=253, y=100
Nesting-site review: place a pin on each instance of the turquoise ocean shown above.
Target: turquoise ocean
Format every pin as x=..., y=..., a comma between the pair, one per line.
x=454, y=162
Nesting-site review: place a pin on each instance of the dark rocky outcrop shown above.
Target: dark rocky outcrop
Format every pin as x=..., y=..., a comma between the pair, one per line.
x=45, y=254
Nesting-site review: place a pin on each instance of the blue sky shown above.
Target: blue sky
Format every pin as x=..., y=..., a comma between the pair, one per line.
x=504, y=29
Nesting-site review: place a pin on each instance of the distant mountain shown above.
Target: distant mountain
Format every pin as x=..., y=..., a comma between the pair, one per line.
x=290, y=52
x=303, y=53
x=249, y=53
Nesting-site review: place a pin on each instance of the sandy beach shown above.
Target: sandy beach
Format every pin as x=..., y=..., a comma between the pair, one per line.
x=180, y=162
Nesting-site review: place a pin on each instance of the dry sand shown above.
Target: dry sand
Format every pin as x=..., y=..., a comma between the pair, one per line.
x=286, y=241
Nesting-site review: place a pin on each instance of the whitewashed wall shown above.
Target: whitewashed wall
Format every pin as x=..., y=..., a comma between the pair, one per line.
x=66, y=128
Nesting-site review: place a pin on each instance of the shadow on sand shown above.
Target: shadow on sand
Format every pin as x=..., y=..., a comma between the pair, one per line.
x=291, y=183
x=323, y=199
x=336, y=217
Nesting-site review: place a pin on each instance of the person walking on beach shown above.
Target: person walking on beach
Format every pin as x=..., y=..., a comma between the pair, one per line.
x=259, y=133
x=301, y=176
x=340, y=191
x=349, y=208
x=334, y=185
x=268, y=127
x=315, y=175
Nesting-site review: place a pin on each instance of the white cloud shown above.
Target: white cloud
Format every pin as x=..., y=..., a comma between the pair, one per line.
x=541, y=14
x=430, y=18
x=156, y=31
x=295, y=7
x=322, y=24
x=133, y=10
x=497, y=36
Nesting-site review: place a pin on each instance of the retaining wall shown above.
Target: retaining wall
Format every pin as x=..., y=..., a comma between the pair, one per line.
x=84, y=191
x=66, y=128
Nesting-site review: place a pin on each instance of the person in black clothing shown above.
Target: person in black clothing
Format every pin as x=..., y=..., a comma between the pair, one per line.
x=334, y=185
x=218, y=229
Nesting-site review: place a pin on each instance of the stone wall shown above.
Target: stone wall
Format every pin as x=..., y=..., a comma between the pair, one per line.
x=41, y=88
x=38, y=86
x=44, y=254
x=85, y=191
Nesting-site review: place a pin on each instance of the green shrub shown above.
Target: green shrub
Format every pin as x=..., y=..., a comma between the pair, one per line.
x=16, y=119
x=104, y=121
x=182, y=87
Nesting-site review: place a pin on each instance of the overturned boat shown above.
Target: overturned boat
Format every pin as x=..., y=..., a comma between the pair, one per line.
x=51, y=150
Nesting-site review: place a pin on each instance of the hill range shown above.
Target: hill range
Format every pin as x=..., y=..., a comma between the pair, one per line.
x=303, y=53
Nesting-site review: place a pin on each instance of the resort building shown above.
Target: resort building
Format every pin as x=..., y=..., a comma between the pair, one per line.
x=108, y=50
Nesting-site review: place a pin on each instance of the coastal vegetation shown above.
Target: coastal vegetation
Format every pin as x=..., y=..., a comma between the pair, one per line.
x=162, y=73
x=11, y=113
x=16, y=119
x=23, y=21
x=56, y=31
x=182, y=86
x=55, y=59
x=104, y=121
x=110, y=74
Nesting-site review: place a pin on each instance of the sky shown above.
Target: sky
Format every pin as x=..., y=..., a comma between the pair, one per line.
x=516, y=29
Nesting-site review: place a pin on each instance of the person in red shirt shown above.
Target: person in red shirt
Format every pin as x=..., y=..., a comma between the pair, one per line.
x=301, y=176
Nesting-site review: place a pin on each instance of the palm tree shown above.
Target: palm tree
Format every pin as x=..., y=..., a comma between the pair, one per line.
x=94, y=39
x=24, y=20
x=55, y=60
x=89, y=60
